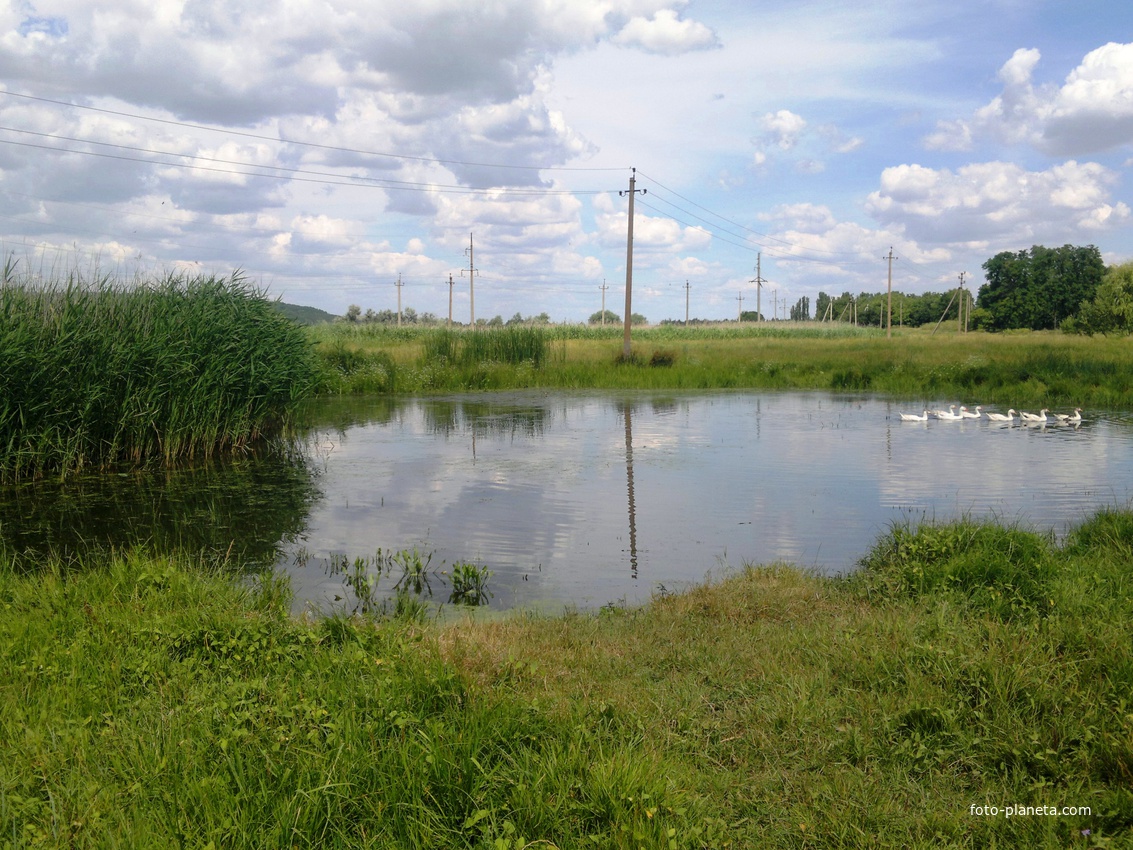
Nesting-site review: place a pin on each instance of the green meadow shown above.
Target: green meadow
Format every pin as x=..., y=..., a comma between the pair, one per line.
x=152, y=701
x=1037, y=369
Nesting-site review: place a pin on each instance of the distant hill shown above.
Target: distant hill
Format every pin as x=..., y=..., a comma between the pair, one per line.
x=304, y=315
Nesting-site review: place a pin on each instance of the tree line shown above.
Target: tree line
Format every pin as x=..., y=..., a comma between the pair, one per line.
x=1068, y=288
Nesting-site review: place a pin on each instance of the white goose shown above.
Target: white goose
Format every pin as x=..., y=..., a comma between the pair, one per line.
x=1076, y=416
x=1033, y=417
x=967, y=414
x=949, y=416
x=1000, y=417
x=912, y=417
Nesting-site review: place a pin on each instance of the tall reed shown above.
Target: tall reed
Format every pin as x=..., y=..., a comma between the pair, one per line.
x=95, y=373
x=516, y=344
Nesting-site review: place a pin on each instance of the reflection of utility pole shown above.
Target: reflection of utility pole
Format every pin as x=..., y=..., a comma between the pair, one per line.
x=603, y=287
x=399, y=284
x=629, y=262
x=889, y=325
x=471, y=289
x=688, y=286
x=629, y=492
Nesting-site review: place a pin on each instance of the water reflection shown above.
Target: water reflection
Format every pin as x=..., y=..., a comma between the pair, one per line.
x=584, y=499
x=244, y=511
x=627, y=412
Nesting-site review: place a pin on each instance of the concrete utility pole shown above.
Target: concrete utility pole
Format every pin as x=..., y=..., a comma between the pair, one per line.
x=889, y=325
x=740, y=314
x=450, y=300
x=603, y=287
x=688, y=286
x=399, y=284
x=758, y=281
x=471, y=287
x=629, y=262
x=960, y=308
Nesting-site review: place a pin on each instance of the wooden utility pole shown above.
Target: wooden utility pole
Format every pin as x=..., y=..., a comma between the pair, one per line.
x=889, y=309
x=603, y=287
x=688, y=286
x=399, y=284
x=450, y=300
x=626, y=350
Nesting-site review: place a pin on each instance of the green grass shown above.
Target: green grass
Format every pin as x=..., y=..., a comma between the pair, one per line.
x=151, y=701
x=1036, y=369
x=102, y=373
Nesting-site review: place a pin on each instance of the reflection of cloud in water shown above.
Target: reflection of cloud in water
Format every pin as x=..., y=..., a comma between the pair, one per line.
x=536, y=487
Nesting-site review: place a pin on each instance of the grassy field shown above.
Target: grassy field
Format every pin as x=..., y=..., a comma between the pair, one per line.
x=98, y=373
x=1042, y=369
x=153, y=702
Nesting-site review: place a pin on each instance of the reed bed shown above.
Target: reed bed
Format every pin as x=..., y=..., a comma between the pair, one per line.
x=99, y=373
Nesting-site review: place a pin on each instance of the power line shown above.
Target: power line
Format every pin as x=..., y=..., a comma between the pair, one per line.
x=229, y=132
x=292, y=174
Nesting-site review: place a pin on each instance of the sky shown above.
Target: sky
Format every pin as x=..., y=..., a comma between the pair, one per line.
x=331, y=150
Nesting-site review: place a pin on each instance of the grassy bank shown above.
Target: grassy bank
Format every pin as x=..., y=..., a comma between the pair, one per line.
x=151, y=702
x=99, y=373
x=1033, y=369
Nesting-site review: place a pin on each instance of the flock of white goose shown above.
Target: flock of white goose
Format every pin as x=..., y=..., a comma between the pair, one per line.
x=951, y=415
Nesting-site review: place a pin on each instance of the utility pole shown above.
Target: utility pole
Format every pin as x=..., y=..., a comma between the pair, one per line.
x=889, y=324
x=960, y=308
x=471, y=288
x=688, y=286
x=740, y=298
x=399, y=284
x=603, y=287
x=758, y=281
x=629, y=262
x=450, y=299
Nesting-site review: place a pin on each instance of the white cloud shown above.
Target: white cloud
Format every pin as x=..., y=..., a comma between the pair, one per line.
x=997, y=201
x=782, y=129
x=785, y=132
x=1091, y=111
x=666, y=33
x=651, y=234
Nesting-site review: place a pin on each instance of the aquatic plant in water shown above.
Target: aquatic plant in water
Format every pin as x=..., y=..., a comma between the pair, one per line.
x=469, y=584
x=95, y=374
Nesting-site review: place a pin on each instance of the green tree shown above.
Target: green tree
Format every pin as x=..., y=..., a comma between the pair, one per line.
x=1039, y=288
x=1111, y=309
x=611, y=318
x=353, y=312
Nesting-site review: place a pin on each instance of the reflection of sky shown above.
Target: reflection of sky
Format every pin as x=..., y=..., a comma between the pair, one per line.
x=535, y=487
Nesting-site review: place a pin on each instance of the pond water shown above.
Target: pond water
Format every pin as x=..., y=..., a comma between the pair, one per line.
x=590, y=499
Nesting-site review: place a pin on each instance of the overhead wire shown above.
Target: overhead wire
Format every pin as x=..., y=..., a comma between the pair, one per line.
x=321, y=146
x=774, y=247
